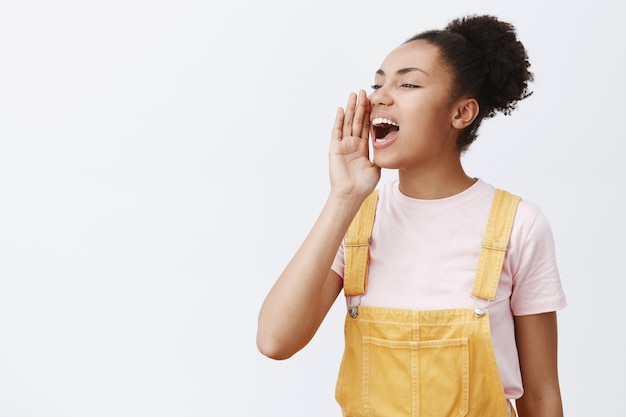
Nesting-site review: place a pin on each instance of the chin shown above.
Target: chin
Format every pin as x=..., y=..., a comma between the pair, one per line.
x=387, y=163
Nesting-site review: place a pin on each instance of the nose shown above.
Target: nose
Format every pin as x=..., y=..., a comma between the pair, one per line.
x=380, y=96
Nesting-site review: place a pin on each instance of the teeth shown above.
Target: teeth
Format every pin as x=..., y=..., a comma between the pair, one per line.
x=381, y=120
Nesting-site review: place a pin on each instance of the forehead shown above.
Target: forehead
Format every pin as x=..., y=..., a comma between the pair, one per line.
x=415, y=54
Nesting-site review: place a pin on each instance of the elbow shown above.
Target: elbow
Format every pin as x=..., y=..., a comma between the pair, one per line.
x=272, y=348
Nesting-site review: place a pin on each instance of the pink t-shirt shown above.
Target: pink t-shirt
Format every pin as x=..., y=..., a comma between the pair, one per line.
x=424, y=253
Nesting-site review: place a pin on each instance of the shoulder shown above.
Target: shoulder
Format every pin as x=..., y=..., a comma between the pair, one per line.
x=528, y=214
x=385, y=191
x=530, y=222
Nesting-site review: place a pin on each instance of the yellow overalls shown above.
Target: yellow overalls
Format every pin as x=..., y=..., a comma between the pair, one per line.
x=432, y=363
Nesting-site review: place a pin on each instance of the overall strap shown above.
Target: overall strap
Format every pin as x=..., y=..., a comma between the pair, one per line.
x=494, y=245
x=356, y=248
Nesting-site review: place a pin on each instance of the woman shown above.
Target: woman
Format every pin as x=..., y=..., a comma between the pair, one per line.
x=438, y=323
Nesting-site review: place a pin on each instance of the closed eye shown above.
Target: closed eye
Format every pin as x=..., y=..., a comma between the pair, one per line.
x=406, y=85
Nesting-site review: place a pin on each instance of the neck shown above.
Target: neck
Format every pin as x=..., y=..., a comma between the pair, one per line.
x=434, y=184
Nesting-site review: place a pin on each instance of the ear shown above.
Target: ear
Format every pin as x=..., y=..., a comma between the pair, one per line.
x=465, y=112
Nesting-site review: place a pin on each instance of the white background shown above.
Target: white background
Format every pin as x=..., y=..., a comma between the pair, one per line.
x=160, y=162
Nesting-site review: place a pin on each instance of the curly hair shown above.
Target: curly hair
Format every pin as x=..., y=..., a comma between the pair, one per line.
x=488, y=63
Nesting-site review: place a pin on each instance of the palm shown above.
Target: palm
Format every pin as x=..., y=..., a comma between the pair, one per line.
x=351, y=171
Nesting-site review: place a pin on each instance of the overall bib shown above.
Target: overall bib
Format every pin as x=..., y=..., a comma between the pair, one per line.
x=422, y=363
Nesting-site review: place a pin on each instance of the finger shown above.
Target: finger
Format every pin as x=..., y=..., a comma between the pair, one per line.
x=365, y=131
x=336, y=134
x=349, y=115
x=361, y=110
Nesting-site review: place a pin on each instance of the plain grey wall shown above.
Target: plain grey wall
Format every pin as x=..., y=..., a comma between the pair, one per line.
x=160, y=162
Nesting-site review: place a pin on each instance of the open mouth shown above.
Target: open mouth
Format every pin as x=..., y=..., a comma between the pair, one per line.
x=382, y=128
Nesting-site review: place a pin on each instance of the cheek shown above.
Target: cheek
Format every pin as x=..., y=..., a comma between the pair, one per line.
x=426, y=119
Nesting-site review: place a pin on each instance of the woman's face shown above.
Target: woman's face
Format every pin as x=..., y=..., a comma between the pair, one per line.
x=412, y=109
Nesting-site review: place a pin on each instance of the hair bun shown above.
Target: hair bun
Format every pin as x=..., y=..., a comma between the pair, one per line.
x=506, y=81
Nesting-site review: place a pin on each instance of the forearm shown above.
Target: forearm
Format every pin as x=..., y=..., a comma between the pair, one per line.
x=298, y=301
x=536, y=337
x=546, y=406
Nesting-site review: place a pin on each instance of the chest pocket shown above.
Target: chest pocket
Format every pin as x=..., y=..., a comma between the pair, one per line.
x=431, y=376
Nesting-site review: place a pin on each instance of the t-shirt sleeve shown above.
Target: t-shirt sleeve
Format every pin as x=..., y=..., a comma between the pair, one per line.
x=339, y=262
x=537, y=286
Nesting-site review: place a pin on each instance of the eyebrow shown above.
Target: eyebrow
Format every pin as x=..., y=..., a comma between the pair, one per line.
x=403, y=71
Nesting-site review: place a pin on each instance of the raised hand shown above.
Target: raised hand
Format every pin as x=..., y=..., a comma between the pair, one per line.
x=351, y=171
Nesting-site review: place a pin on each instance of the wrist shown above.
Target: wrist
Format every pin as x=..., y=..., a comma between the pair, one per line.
x=347, y=203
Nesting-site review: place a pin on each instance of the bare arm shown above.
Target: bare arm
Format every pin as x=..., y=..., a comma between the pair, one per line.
x=301, y=297
x=536, y=337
